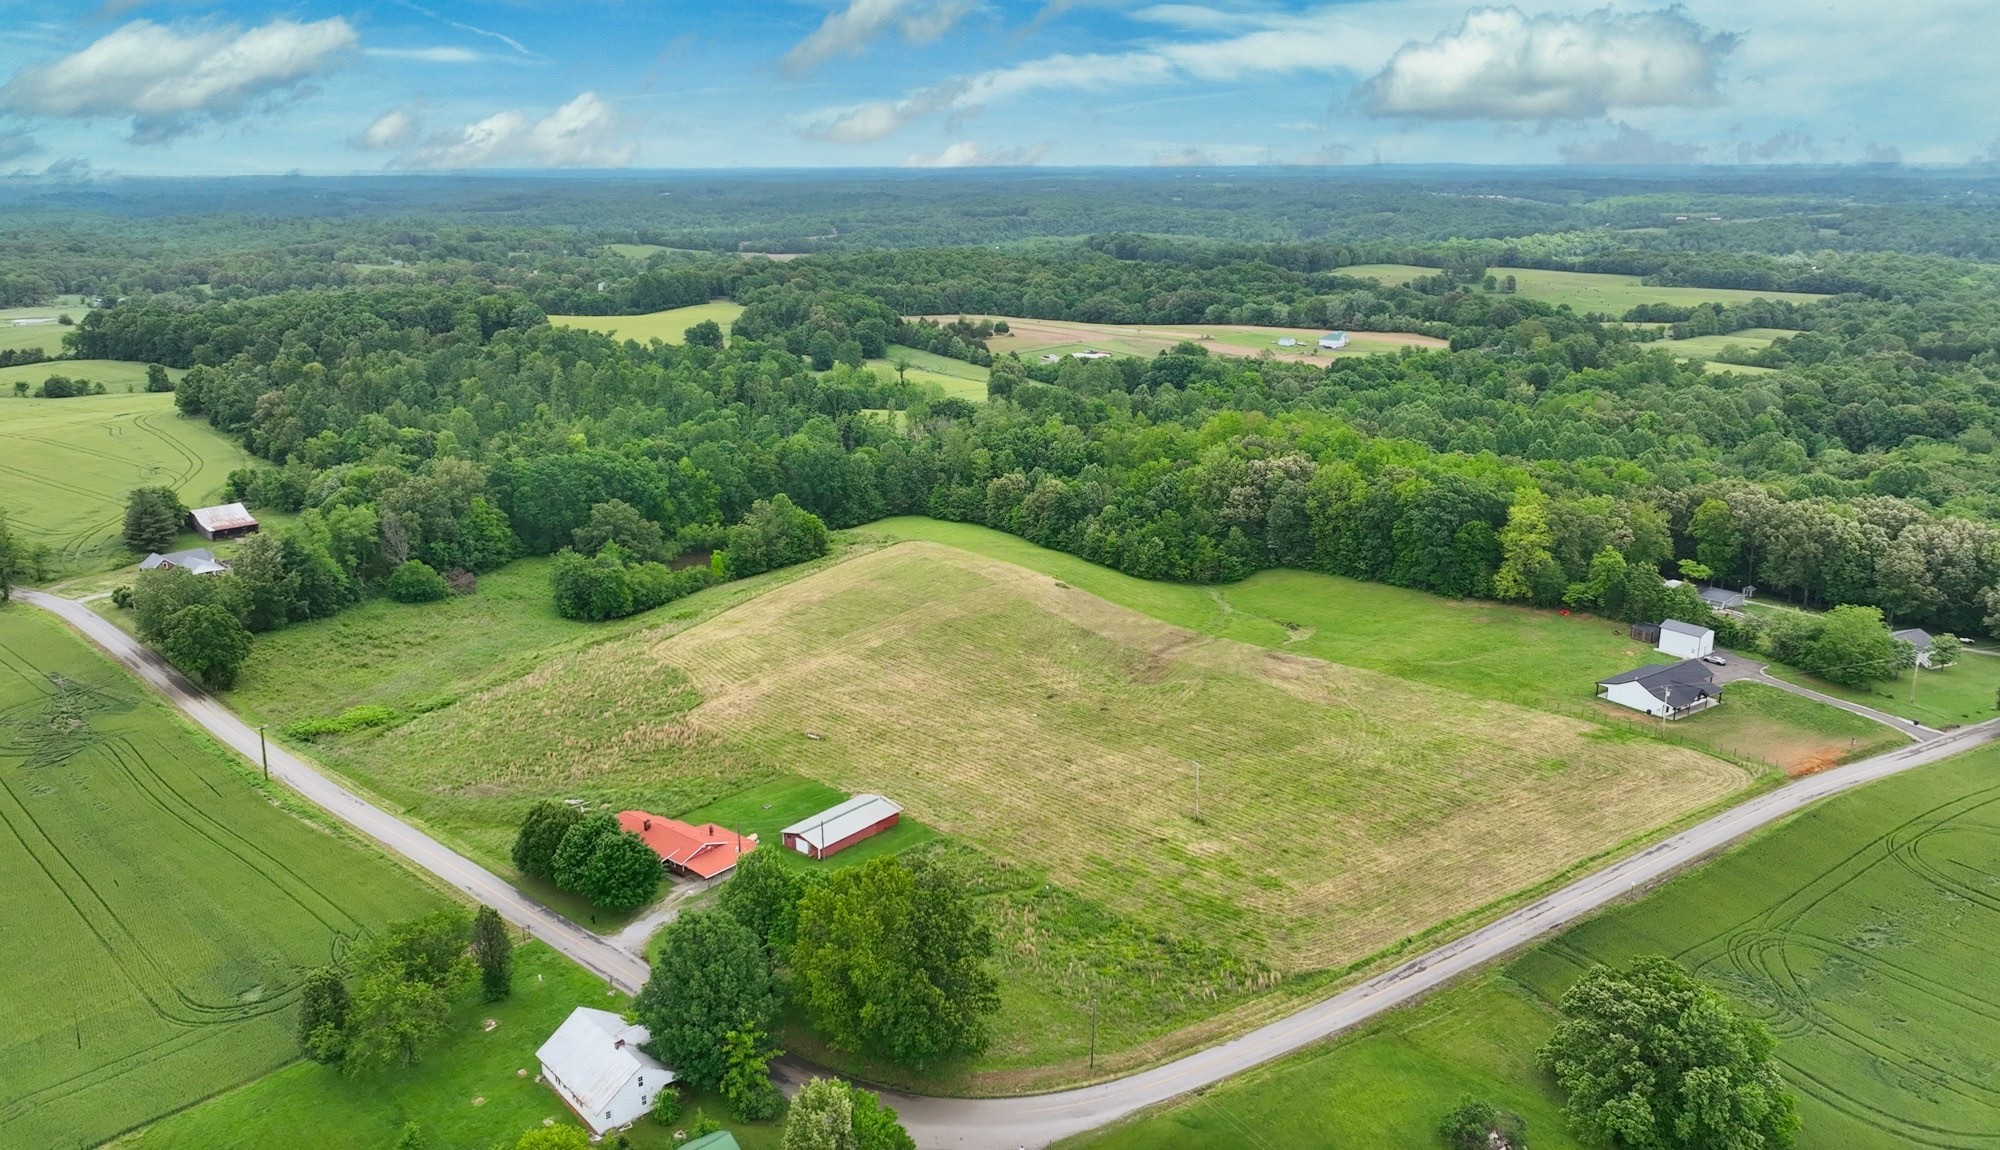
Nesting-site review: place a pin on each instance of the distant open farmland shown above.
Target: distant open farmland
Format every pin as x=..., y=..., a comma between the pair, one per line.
x=36, y=327
x=1585, y=292
x=668, y=326
x=954, y=377
x=160, y=908
x=1030, y=338
x=1706, y=346
x=70, y=462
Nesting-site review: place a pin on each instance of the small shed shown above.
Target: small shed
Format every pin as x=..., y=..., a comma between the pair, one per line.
x=1686, y=640
x=1920, y=639
x=1333, y=341
x=199, y=560
x=223, y=521
x=838, y=827
x=704, y=851
x=1647, y=633
x=1287, y=341
x=594, y=1064
x=1724, y=600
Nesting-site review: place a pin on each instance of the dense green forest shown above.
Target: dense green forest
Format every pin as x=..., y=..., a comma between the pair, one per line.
x=1545, y=456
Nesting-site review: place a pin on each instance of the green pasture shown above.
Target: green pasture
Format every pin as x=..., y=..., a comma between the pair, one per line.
x=1764, y=723
x=468, y=1093
x=1707, y=346
x=668, y=326
x=163, y=902
x=955, y=377
x=1947, y=697
x=46, y=337
x=636, y=251
x=768, y=808
x=1862, y=932
x=1387, y=1085
x=1716, y=367
x=69, y=463
x=1586, y=292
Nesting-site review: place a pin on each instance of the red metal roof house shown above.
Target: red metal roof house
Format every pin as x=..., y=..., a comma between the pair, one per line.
x=704, y=851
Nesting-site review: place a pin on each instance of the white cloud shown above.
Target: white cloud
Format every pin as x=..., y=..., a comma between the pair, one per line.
x=393, y=129
x=1630, y=145
x=584, y=133
x=168, y=81
x=866, y=123
x=16, y=143
x=1502, y=64
x=862, y=22
x=1789, y=144
x=438, y=55
x=968, y=154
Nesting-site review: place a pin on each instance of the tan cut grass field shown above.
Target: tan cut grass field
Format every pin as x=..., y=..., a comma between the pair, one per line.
x=1341, y=809
x=1030, y=338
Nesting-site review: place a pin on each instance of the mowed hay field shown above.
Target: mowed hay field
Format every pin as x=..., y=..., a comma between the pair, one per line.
x=668, y=326
x=1863, y=933
x=1341, y=810
x=1032, y=338
x=1584, y=292
x=955, y=377
x=34, y=327
x=160, y=907
x=70, y=462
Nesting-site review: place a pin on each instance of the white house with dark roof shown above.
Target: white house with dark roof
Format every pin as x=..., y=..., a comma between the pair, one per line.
x=594, y=1064
x=1666, y=691
x=1684, y=640
x=1920, y=639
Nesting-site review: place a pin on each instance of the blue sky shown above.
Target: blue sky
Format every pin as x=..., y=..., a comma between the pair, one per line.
x=197, y=87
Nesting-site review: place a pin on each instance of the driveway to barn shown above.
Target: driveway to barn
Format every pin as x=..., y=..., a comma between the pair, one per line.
x=1013, y=1123
x=594, y=953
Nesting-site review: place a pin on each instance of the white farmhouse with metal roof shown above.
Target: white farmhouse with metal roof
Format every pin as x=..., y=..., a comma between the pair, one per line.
x=594, y=1063
x=199, y=560
x=839, y=827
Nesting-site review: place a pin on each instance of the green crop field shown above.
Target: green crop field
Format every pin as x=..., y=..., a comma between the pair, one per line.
x=1707, y=346
x=70, y=463
x=174, y=903
x=467, y=1093
x=666, y=326
x=1586, y=292
x=1860, y=931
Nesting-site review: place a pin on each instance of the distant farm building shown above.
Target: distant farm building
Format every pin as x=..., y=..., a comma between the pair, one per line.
x=1722, y=600
x=1333, y=341
x=199, y=560
x=705, y=851
x=1920, y=639
x=1685, y=640
x=1667, y=691
x=1287, y=341
x=835, y=829
x=594, y=1064
x=1090, y=353
x=226, y=521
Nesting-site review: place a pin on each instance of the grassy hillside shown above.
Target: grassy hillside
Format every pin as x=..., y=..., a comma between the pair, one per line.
x=175, y=902
x=69, y=463
x=954, y=377
x=666, y=326
x=39, y=331
x=1860, y=932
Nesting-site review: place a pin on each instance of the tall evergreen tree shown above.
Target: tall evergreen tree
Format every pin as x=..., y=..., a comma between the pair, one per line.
x=152, y=518
x=493, y=950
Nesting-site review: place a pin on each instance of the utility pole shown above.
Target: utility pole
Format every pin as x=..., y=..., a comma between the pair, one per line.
x=264, y=753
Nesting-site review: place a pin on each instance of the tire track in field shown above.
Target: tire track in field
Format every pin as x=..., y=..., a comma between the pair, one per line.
x=1758, y=958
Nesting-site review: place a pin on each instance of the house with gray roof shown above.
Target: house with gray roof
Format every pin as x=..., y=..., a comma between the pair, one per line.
x=1920, y=639
x=1666, y=691
x=1684, y=640
x=199, y=560
x=1724, y=600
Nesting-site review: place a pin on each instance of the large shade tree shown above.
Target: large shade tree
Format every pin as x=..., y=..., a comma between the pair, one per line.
x=709, y=978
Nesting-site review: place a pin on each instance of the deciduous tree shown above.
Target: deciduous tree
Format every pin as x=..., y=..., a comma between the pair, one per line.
x=206, y=643
x=571, y=865
x=623, y=872
x=323, y=1007
x=542, y=831
x=764, y=895
x=709, y=977
x=493, y=949
x=1651, y=1058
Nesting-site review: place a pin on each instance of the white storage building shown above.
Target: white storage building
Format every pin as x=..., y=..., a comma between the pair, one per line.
x=1684, y=640
x=593, y=1062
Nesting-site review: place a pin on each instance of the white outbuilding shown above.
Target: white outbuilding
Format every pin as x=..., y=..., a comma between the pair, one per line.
x=1684, y=640
x=593, y=1062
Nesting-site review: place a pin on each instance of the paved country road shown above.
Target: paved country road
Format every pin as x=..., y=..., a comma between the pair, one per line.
x=587, y=949
x=1008, y=1123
